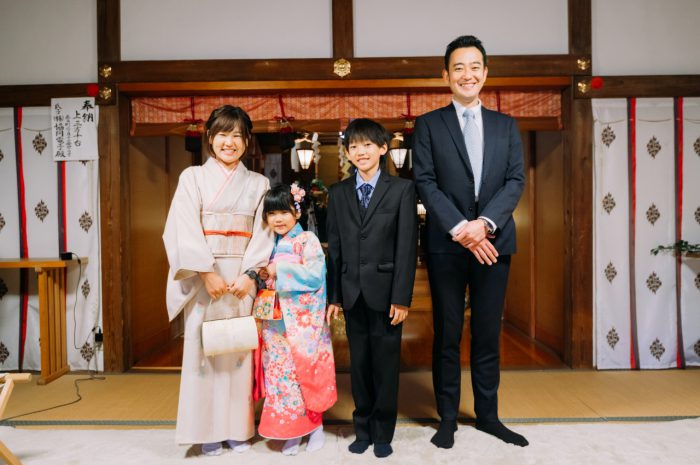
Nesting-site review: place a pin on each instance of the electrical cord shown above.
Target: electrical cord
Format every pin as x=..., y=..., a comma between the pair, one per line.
x=75, y=301
x=93, y=374
x=75, y=305
x=77, y=393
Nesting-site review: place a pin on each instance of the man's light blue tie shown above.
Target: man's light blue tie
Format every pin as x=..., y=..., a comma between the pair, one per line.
x=365, y=193
x=472, y=139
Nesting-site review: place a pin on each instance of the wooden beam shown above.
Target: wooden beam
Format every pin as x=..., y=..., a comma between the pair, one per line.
x=543, y=123
x=152, y=89
x=322, y=69
x=343, y=41
x=38, y=95
x=639, y=86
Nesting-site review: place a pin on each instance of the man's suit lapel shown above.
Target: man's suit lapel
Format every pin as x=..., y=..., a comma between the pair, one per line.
x=379, y=190
x=351, y=198
x=489, y=121
x=449, y=116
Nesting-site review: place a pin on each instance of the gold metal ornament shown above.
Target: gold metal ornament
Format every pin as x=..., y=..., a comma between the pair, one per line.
x=105, y=93
x=341, y=67
x=584, y=86
x=583, y=63
x=105, y=71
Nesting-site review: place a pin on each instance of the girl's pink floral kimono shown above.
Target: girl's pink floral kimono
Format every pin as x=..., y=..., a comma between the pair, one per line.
x=297, y=352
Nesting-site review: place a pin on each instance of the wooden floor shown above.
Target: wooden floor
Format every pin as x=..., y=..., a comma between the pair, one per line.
x=150, y=400
x=517, y=349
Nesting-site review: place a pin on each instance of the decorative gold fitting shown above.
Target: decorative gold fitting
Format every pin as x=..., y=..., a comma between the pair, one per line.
x=584, y=87
x=583, y=63
x=341, y=67
x=105, y=93
x=105, y=71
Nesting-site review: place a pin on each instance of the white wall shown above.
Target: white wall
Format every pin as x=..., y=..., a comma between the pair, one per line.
x=424, y=28
x=225, y=29
x=646, y=37
x=55, y=41
x=48, y=41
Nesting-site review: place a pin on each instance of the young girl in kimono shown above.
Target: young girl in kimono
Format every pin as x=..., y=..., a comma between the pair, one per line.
x=297, y=353
x=216, y=240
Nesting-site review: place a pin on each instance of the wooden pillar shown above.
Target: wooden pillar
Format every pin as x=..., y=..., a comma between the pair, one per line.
x=578, y=123
x=111, y=188
x=343, y=38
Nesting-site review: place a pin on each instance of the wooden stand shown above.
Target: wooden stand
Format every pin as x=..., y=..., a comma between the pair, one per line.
x=9, y=380
x=52, y=312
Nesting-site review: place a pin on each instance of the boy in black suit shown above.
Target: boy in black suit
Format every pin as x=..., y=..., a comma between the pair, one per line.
x=372, y=229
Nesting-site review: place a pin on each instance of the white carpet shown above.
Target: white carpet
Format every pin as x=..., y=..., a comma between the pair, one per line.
x=676, y=443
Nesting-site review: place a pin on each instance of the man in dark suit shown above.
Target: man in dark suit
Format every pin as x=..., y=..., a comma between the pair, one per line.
x=372, y=229
x=468, y=166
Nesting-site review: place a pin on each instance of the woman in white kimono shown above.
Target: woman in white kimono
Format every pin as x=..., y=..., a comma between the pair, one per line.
x=216, y=241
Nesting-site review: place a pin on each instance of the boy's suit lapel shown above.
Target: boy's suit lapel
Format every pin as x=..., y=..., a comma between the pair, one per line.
x=351, y=198
x=449, y=116
x=379, y=190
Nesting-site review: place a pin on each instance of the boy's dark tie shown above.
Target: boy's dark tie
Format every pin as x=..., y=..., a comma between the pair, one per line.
x=365, y=193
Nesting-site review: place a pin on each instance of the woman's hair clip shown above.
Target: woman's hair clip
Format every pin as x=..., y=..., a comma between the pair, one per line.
x=298, y=195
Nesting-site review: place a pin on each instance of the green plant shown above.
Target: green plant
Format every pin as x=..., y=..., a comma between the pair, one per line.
x=680, y=247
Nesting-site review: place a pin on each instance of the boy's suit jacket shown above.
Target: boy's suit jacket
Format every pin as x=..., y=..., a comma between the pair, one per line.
x=374, y=255
x=445, y=179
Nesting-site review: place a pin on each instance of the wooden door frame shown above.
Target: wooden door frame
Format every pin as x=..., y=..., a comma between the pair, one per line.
x=130, y=78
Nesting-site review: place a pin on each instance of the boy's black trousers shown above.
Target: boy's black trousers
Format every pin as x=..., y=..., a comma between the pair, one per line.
x=375, y=355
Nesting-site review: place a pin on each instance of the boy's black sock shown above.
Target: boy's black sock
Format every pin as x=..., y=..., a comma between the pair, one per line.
x=382, y=450
x=499, y=430
x=359, y=446
x=445, y=435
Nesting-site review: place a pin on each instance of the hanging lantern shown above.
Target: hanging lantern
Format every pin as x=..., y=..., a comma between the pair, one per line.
x=305, y=152
x=193, y=133
x=193, y=138
x=397, y=151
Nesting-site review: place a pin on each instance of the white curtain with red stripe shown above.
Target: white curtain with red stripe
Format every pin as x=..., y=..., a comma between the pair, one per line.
x=41, y=212
x=83, y=308
x=612, y=233
x=690, y=231
x=9, y=244
x=646, y=306
x=60, y=214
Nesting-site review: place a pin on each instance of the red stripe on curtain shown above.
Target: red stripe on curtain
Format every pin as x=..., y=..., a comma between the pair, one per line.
x=632, y=134
x=678, y=104
x=20, y=184
x=62, y=240
x=23, y=248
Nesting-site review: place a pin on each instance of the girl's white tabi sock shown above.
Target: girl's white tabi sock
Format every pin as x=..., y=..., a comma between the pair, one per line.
x=238, y=446
x=316, y=440
x=291, y=446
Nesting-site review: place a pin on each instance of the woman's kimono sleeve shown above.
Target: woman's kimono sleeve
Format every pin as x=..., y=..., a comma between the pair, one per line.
x=185, y=244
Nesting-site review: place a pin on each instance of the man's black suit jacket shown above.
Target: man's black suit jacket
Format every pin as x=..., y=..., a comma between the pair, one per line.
x=374, y=255
x=445, y=180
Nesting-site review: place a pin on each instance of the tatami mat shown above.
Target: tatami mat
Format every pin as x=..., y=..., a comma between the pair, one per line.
x=150, y=400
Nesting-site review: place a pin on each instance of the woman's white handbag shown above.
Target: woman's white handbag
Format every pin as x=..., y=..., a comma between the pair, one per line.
x=226, y=335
